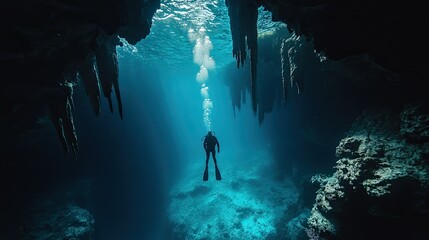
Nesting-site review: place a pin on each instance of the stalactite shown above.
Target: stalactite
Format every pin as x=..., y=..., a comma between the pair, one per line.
x=295, y=56
x=58, y=125
x=252, y=43
x=71, y=101
x=238, y=44
x=292, y=64
x=61, y=96
x=118, y=98
x=283, y=63
x=243, y=15
x=254, y=82
x=107, y=65
x=88, y=75
x=61, y=106
x=69, y=128
x=70, y=77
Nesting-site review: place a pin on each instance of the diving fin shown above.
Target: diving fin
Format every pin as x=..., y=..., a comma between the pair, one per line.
x=218, y=176
x=206, y=175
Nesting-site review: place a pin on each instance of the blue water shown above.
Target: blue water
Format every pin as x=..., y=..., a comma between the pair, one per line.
x=146, y=170
x=168, y=46
x=151, y=182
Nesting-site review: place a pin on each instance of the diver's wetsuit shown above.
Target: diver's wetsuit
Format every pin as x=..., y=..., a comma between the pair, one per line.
x=210, y=143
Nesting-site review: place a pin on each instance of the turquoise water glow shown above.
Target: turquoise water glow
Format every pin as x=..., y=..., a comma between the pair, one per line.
x=190, y=44
x=246, y=204
x=168, y=44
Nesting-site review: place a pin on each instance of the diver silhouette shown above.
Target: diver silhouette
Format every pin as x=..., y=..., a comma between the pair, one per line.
x=210, y=142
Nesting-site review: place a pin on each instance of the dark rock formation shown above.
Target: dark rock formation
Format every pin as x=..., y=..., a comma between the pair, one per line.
x=368, y=40
x=107, y=65
x=415, y=123
x=340, y=29
x=50, y=46
x=88, y=75
x=240, y=83
x=278, y=71
x=298, y=50
x=380, y=187
x=61, y=105
x=243, y=17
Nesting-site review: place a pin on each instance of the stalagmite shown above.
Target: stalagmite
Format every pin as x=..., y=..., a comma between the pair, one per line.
x=243, y=15
x=88, y=75
x=107, y=64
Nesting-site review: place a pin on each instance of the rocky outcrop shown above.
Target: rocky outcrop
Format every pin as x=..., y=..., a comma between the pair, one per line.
x=380, y=185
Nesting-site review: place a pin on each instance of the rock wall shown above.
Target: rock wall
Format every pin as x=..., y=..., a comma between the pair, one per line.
x=379, y=189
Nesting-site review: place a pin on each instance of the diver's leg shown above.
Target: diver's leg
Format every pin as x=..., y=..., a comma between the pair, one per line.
x=207, y=158
x=206, y=172
x=214, y=157
x=218, y=176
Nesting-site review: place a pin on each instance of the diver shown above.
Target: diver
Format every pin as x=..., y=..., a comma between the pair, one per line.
x=210, y=143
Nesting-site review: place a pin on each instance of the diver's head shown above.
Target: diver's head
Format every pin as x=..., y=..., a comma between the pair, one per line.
x=210, y=133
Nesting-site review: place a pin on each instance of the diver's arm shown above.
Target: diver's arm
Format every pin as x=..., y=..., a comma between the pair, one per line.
x=205, y=144
x=218, y=146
